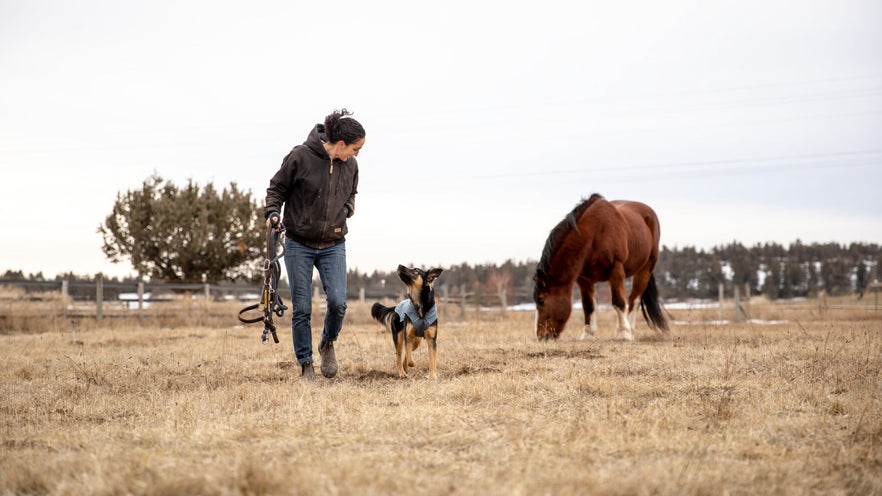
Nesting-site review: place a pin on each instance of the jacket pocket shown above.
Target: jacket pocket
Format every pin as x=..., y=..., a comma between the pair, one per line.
x=338, y=228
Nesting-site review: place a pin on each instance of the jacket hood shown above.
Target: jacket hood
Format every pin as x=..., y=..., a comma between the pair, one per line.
x=315, y=139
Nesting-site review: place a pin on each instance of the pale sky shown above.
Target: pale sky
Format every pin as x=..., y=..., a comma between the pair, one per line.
x=749, y=121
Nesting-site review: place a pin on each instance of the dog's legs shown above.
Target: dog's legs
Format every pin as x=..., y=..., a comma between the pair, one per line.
x=432, y=343
x=412, y=343
x=399, y=351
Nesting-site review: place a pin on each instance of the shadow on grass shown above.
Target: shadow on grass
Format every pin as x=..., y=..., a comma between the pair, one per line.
x=564, y=353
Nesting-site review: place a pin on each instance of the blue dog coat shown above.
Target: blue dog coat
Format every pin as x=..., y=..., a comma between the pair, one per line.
x=405, y=308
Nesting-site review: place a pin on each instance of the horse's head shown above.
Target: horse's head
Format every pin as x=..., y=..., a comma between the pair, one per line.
x=420, y=287
x=553, y=307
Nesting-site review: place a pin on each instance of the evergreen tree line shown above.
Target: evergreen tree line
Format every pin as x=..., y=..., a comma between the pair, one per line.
x=770, y=269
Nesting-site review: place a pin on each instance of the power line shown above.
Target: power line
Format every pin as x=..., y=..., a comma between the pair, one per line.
x=576, y=103
x=672, y=165
x=674, y=171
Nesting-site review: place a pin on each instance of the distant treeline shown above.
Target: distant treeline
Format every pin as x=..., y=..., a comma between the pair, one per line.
x=770, y=269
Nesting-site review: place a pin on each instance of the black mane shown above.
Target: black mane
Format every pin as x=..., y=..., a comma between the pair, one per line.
x=561, y=230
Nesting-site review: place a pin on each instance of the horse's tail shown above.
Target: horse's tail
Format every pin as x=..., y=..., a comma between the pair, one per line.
x=651, y=307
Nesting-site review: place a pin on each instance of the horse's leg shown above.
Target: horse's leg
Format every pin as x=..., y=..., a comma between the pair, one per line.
x=589, y=305
x=617, y=288
x=638, y=286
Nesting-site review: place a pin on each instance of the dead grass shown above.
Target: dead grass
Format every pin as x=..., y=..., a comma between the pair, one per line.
x=794, y=408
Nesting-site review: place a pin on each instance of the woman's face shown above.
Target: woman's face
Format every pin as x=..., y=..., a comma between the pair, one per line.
x=343, y=151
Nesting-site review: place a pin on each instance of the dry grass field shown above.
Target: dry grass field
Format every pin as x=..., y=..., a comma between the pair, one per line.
x=748, y=408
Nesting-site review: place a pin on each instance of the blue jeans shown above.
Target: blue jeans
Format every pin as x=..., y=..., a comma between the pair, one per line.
x=331, y=265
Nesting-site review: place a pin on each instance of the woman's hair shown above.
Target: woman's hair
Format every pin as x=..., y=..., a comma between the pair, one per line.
x=339, y=127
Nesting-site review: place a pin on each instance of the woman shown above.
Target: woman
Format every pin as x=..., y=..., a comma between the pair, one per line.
x=315, y=193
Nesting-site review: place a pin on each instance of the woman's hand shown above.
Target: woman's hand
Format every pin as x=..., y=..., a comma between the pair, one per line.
x=273, y=220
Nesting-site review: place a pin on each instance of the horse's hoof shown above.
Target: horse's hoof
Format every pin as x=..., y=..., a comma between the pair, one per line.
x=588, y=332
x=625, y=336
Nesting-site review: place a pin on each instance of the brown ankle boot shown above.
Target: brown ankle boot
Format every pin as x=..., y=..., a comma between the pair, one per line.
x=329, y=359
x=307, y=372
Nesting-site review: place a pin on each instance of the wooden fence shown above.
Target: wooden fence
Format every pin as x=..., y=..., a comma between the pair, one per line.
x=140, y=295
x=90, y=299
x=146, y=292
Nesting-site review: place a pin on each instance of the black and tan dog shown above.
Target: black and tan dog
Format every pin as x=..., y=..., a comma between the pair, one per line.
x=412, y=319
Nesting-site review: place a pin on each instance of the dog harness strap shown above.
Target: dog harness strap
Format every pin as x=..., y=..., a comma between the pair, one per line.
x=405, y=309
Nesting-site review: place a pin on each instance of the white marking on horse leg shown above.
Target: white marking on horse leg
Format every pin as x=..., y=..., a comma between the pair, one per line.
x=590, y=330
x=632, y=316
x=624, y=328
x=593, y=322
x=536, y=323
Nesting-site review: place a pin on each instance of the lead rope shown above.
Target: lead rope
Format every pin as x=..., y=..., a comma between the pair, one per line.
x=270, y=299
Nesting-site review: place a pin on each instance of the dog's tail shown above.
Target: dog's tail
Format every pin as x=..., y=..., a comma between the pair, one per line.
x=380, y=312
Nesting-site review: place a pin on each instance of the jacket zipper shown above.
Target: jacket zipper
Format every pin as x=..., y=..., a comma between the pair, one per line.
x=328, y=195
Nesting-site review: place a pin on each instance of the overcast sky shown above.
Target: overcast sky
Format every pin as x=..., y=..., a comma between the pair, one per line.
x=749, y=121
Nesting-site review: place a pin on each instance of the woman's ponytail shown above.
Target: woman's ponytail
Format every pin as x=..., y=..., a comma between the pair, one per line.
x=340, y=127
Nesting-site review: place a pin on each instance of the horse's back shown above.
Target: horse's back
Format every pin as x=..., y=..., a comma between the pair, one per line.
x=644, y=234
x=639, y=214
x=641, y=209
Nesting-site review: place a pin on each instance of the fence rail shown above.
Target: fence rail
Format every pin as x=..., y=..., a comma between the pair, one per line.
x=148, y=292
x=120, y=297
x=153, y=292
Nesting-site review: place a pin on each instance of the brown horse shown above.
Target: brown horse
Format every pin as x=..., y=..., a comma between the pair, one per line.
x=599, y=241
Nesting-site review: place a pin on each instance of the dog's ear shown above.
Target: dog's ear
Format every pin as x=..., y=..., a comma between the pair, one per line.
x=432, y=274
x=406, y=275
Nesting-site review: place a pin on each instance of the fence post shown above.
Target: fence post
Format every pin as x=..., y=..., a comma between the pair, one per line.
x=64, y=292
x=721, y=302
x=462, y=299
x=207, y=291
x=504, y=299
x=99, y=298
x=361, y=295
x=738, y=316
x=876, y=292
x=140, y=302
